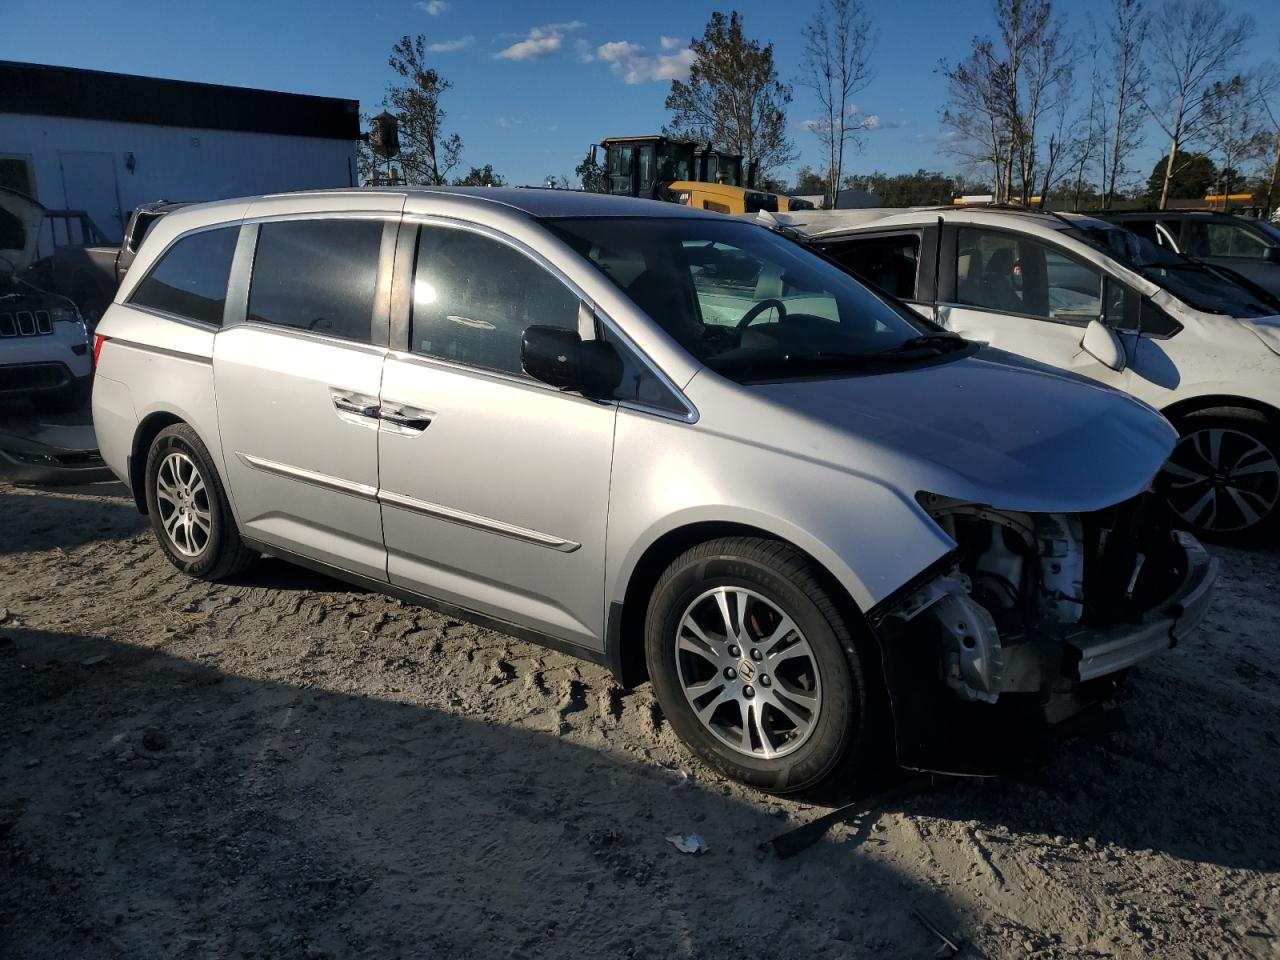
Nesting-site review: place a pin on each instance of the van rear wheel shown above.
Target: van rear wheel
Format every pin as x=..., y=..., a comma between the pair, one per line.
x=756, y=668
x=188, y=507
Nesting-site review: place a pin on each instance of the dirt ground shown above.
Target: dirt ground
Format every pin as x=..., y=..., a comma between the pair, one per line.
x=285, y=767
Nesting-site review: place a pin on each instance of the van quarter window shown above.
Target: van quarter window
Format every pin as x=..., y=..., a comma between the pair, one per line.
x=190, y=279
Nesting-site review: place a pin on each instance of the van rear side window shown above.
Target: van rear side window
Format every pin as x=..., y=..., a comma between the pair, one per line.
x=190, y=280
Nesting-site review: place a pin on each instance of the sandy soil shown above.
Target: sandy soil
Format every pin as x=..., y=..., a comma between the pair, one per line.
x=284, y=767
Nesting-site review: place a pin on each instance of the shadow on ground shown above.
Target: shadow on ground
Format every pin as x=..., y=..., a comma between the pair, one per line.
x=155, y=807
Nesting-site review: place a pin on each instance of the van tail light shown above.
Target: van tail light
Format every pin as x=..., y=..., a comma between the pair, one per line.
x=98, y=341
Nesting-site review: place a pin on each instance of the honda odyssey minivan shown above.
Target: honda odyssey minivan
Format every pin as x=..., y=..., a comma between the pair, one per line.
x=660, y=439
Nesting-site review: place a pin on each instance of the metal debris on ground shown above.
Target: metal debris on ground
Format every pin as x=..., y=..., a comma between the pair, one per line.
x=950, y=947
x=807, y=834
x=688, y=843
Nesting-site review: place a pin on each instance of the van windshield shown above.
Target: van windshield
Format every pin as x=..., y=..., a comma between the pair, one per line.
x=1195, y=284
x=749, y=303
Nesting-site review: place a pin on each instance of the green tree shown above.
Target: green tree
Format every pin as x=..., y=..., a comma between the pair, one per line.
x=810, y=182
x=591, y=174
x=920, y=189
x=1192, y=177
x=733, y=98
x=481, y=177
x=427, y=154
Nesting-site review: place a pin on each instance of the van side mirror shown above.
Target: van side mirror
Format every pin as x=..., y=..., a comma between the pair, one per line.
x=1271, y=254
x=1101, y=343
x=563, y=359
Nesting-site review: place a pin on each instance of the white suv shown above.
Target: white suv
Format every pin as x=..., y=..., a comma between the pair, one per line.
x=44, y=348
x=1091, y=298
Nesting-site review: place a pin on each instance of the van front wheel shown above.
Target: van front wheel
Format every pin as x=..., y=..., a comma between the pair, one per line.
x=755, y=667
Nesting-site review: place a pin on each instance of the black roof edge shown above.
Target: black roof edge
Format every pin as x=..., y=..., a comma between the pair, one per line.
x=44, y=90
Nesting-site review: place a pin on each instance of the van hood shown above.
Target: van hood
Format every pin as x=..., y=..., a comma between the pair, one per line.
x=20, y=220
x=992, y=428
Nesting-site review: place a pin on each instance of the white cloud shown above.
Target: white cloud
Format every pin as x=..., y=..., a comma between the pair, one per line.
x=617, y=50
x=449, y=46
x=670, y=43
x=433, y=7
x=629, y=61
x=583, y=48
x=539, y=41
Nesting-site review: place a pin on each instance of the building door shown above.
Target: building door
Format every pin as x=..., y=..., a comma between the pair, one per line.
x=89, y=184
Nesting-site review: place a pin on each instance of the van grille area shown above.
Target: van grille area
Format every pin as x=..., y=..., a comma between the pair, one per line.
x=33, y=376
x=26, y=323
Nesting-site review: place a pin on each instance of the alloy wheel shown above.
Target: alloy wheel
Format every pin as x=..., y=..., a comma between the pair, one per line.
x=1222, y=480
x=748, y=672
x=183, y=501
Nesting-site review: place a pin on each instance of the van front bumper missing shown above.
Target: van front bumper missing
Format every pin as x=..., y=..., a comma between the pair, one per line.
x=1100, y=652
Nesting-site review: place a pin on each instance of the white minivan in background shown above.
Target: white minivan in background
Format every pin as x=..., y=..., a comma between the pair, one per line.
x=1092, y=298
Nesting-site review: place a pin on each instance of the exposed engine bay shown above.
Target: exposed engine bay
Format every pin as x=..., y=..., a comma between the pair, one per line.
x=1037, y=603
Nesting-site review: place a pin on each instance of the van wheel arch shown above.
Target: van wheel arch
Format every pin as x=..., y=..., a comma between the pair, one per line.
x=143, y=437
x=624, y=640
x=1223, y=405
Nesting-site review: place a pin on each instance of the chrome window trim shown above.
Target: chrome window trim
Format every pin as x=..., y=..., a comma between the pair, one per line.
x=470, y=369
x=311, y=335
x=488, y=524
x=691, y=414
x=337, y=484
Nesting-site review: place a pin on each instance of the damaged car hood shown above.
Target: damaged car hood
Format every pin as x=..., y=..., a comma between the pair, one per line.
x=991, y=428
x=20, y=220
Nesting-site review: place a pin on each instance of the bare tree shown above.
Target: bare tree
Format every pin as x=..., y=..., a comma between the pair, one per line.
x=1269, y=101
x=427, y=154
x=838, y=43
x=1000, y=93
x=976, y=116
x=1130, y=75
x=1235, y=121
x=1196, y=43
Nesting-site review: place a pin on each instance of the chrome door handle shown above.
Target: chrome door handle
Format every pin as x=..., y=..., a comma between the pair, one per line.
x=347, y=405
x=407, y=421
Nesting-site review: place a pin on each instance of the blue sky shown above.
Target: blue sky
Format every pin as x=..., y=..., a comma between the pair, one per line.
x=534, y=82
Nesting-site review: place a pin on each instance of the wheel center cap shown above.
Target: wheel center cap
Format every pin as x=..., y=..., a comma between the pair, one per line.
x=746, y=670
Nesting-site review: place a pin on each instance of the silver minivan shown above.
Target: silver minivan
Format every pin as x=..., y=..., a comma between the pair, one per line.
x=663, y=440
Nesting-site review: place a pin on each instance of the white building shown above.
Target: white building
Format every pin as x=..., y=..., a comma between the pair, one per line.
x=106, y=142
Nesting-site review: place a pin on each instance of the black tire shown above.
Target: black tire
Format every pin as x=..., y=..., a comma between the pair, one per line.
x=841, y=738
x=67, y=399
x=1244, y=438
x=221, y=553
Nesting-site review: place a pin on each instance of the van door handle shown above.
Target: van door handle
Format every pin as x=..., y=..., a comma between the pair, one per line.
x=407, y=418
x=347, y=405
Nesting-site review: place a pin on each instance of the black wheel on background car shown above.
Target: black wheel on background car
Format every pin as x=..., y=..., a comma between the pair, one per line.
x=188, y=507
x=1222, y=480
x=755, y=667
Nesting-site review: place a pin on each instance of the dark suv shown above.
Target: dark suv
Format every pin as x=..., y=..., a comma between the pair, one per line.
x=1249, y=247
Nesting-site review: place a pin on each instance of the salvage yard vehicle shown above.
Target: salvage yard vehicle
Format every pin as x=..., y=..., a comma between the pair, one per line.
x=83, y=265
x=663, y=440
x=1088, y=297
x=44, y=347
x=1248, y=247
